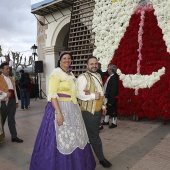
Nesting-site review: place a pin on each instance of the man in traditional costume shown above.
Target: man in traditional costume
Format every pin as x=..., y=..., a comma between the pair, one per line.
x=3, y=96
x=91, y=106
x=8, y=108
x=111, y=92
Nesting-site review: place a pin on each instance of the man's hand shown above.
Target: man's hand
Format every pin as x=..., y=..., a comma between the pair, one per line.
x=17, y=105
x=87, y=92
x=104, y=111
x=97, y=96
x=8, y=94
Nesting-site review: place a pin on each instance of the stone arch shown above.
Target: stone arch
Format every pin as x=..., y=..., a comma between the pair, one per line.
x=61, y=32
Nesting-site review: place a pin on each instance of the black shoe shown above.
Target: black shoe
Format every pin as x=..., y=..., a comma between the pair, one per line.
x=112, y=126
x=18, y=140
x=105, y=163
x=105, y=123
x=101, y=127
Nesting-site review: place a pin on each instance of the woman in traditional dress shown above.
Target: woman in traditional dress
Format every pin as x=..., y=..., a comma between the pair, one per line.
x=62, y=142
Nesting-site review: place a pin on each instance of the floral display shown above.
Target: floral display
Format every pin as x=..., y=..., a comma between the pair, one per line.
x=111, y=18
x=110, y=21
x=153, y=96
x=162, y=13
x=137, y=43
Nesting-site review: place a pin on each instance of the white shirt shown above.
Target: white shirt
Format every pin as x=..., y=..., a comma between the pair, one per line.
x=3, y=95
x=10, y=86
x=105, y=85
x=81, y=86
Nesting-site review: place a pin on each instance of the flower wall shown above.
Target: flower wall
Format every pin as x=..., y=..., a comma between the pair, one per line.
x=111, y=18
x=110, y=21
x=141, y=53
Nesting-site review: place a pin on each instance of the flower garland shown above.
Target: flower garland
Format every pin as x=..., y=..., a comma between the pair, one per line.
x=137, y=81
x=142, y=11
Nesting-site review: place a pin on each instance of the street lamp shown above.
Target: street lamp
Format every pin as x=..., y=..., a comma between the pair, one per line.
x=34, y=53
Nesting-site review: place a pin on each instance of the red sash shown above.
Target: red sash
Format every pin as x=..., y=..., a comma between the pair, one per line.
x=12, y=94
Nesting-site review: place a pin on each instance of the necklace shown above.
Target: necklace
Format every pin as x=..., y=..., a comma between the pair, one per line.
x=67, y=72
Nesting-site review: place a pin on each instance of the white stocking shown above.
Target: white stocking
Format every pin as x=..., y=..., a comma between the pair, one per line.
x=106, y=119
x=114, y=120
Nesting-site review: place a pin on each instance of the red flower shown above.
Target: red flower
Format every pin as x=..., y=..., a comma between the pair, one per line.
x=151, y=102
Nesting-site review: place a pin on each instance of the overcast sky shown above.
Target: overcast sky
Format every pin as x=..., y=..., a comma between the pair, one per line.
x=18, y=27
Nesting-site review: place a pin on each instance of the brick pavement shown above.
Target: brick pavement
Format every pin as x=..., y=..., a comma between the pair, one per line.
x=142, y=145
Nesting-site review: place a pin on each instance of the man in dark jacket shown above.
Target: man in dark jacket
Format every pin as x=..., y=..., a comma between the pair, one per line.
x=23, y=84
x=111, y=92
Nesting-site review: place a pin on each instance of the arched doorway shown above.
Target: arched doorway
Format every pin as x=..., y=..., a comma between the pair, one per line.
x=61, y=41
x=57, y=39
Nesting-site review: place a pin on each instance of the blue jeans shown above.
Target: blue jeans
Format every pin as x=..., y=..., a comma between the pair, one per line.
x=24, y=98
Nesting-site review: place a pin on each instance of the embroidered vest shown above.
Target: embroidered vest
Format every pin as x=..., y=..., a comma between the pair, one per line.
x=91, y=105
x=4, y=85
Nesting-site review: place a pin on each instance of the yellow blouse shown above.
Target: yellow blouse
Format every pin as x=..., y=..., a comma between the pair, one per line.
x=60, y=82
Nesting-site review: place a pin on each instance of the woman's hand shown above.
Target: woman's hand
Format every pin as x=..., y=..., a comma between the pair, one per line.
x=60, y=119
x=104, y=111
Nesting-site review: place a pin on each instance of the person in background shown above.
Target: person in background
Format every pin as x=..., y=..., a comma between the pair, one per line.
x=3, y=96
x=91, y=105
x=10, y=62
x=100, y=71
x=8, y=108
x=27, y=77
x=62, y=142
x=24, y=83
x=111, y=92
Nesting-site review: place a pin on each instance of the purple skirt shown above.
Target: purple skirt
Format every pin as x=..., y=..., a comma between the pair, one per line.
x=46, y=156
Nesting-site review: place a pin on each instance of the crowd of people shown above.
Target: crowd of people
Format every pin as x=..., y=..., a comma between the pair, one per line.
x=70, y=125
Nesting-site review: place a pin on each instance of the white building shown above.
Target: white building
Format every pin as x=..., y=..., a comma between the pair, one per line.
x=55, y=33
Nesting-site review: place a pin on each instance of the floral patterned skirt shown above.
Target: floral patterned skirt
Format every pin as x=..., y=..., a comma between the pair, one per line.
x=63, y=147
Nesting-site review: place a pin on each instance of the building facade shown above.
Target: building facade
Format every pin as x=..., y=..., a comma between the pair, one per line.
x=63, y=25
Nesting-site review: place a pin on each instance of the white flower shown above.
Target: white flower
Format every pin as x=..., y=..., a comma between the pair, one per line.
x=110, y=20
x=163, y=16
x=137, y=81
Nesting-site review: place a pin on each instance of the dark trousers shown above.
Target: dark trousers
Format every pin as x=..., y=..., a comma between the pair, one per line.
x=92, y=126
x=112, y=109
x=2, y=136
x=24, y=95
x=9, y=111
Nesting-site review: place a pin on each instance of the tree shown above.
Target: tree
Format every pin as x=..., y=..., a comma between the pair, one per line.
x=18, y=60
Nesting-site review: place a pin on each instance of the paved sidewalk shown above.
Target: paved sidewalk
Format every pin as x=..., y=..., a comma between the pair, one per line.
x=143, y=145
